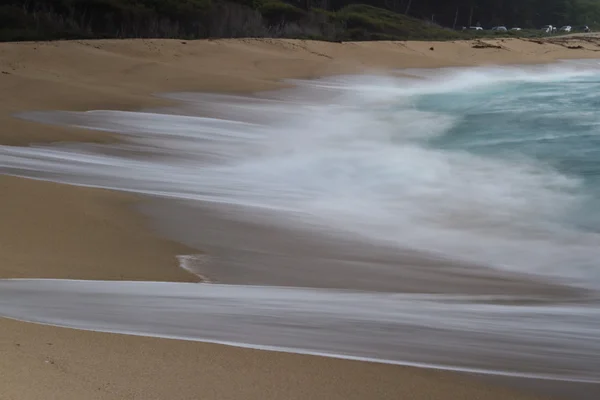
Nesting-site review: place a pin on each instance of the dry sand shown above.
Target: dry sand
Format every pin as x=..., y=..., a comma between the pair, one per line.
x=58, y=231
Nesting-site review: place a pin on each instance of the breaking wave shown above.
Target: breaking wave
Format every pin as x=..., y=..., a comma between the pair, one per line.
x=495, y=166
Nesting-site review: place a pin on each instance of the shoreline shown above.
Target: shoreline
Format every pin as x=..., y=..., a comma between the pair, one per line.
x=309, y=254
x=175, y=299
x=297, y=59
x=74, y=210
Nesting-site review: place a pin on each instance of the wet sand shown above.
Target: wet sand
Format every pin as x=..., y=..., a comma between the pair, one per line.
x=242, y=247
x=58, y=231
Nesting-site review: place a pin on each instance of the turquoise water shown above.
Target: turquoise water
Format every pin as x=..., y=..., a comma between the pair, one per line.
x=556, y=123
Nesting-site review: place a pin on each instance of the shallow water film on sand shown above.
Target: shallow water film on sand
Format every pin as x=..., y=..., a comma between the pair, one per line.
x=494, y=168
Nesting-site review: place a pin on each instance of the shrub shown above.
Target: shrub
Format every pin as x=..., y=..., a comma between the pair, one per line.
x=278, y=12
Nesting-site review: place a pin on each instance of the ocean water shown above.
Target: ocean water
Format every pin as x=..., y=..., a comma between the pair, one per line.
x=495, y=166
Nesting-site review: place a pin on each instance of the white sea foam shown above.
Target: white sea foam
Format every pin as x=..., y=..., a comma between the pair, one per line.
x=351, y=153
x=193, y=263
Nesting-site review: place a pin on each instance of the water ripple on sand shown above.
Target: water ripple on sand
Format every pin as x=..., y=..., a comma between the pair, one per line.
x=464, y=333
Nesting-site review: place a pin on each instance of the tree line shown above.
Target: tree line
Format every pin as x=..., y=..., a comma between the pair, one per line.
x=313, y=19
x=527, y=14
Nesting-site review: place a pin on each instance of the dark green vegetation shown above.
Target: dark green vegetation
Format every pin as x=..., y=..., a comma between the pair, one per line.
x=317, y=19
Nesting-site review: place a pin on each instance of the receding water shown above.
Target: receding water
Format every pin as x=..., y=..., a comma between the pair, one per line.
x=498, y=167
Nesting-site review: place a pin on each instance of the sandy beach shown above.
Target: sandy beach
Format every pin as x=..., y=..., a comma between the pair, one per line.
x=59, y=231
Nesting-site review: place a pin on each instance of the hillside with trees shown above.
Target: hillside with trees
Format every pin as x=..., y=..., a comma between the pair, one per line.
x=312, y=19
